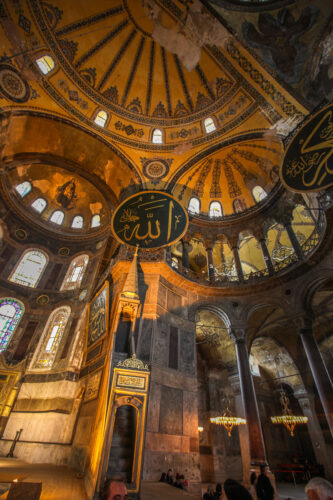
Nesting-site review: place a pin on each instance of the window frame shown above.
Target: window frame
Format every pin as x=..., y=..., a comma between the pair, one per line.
x=26, y=192
x=56, y=223
x=188, y=205
x=17, y=320
x=100, y=110
x=40, y=69
x=91, y=221
x=221, y=209
x=39, y=211
x=264, y=190
x=28, y=250
x=213, y=123
x=75, y=217
x=69, y=271
x=156, y=129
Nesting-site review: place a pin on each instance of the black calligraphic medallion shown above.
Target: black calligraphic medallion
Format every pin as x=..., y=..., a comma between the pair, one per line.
x=149, y=219
x=308, y=161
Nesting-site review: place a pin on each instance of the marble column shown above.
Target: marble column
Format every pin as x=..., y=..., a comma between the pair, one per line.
x=257, y=446
x=306, y=402
x=238, y=264
x=210, y=264
x=243, y=431
x=293, y=239
x=267, y=256
x=319, y=372
x=185, y=257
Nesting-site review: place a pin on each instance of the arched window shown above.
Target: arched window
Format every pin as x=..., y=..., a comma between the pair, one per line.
x=11, y=311
x=30, y=268
x=57, y=217
x=24, y=188
x=239, y=205
x=209, y=125
x=52, y=335
x=95, y=220
x=194, y=206
x=39, y=205
x=258, y=193
x=215, y=209
x=157, y=137
x=75, y=272
x=101, y=118
x=45, y=64
x=77, y=222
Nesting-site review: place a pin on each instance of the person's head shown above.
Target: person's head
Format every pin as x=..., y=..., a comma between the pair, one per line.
x=169, y=472
x=253, y=478
x=319, y=489
x=218, y=488
x=210, y=490
x=114, y=489
x=235, y=491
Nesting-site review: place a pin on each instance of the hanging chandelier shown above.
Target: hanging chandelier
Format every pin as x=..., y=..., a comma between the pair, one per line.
x=228, y=421
x=287, y=418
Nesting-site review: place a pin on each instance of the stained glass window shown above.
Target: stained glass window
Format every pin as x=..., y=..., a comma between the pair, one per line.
x=24, y=188
x=39, y=204
x=194, y=206
x=11, y=311
x=52, y=336
x=95, y=220
x=77, y=222
x=101, y=118
x=75, y=272
x=57, y=217
x=45, y=64
x=157, y=136
x=209, y=125
x=215, y=209
x=258, y=193
x=30, y=268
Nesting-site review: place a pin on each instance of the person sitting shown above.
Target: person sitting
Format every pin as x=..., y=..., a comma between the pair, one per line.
x=209, y=495
x=114, y=489
x=169, y=478
x=319, y=488
x=218, y=492
x=253, y=482
x=235, y=491
x=180, y=483
x=264, y=488
x=163, y=477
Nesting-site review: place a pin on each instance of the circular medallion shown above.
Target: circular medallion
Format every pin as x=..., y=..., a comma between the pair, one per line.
x=63, y=251
x=149, y=219
x=155, y=170
x=12, y=85
x=42, y=300
x=83, y=294
x=308, y=160
x=21, y=234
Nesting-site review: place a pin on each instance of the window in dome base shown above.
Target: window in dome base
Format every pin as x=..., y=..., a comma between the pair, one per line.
x=101, y=118
x=194, y=206
x=258, y=193
x=24, y=188
x=77, y=222
x=215, y=209
x=209, y=125
x=57, y=217
x=45, y=64
x=52, y=336
x=157, y=137
x=95, y=220
x=39, y=205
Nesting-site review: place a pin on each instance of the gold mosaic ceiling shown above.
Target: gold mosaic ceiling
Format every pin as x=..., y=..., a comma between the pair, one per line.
x=157, y=63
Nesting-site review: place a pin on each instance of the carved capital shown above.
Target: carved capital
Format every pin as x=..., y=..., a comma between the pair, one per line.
x=239, y=334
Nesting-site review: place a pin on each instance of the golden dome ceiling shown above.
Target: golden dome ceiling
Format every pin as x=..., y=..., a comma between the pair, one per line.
x=168, y=64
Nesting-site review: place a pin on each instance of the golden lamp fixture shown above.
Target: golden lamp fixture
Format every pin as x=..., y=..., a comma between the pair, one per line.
x=228, y=421
x=287, y=418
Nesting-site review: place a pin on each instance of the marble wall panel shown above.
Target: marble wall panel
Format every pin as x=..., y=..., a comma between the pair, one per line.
x=187, y=349
x=174, y=302
x=38, y=453
x=144, y=343
x=171, y=411
x=190, y=414
x=153, y=413
x=188, y=463
x=161, y=298
x=161, y=343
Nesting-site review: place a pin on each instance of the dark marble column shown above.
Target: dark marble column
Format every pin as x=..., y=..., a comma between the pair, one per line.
x=257, y=446
x=267, y=256
x=293, y=239
x=238, y=264
x=210, y=264
x=319, y=372
x=185, y=257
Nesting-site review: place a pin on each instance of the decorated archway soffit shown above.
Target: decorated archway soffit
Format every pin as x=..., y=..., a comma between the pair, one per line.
x=167, y=66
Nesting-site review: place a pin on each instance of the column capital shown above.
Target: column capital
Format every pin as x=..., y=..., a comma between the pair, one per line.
x=239, y=334
x=303, y=321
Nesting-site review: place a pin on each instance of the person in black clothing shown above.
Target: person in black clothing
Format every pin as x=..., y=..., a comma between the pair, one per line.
x=209, y=495
x=218, y=492
x=235, y=491
x=264, y=488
